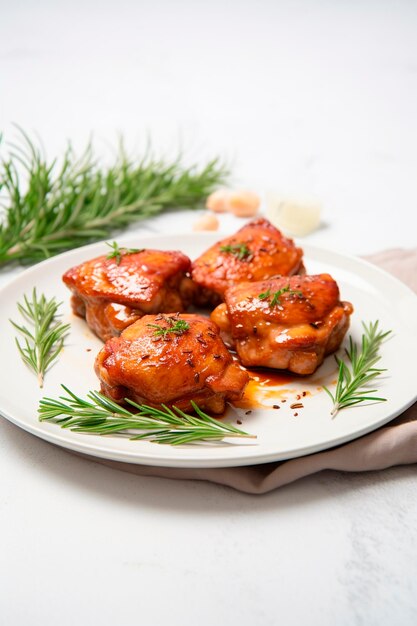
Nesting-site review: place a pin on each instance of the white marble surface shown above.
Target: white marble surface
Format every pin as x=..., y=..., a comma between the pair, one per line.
x=303, y=97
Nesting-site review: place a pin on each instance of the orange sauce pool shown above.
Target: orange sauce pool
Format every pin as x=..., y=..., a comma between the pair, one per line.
x=265, y=388
x=268, y=388
x=256, y=396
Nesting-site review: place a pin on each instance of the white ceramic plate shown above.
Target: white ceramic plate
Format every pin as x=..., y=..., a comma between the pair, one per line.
x=280, y=435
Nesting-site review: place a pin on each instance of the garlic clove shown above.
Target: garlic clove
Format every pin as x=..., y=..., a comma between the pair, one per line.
x=208, y=221
x=218, y=201
x=243, y=203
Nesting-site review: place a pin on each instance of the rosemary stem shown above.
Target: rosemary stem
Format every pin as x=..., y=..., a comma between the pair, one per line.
x=99, y=415
x=335, y=410
x=43, y=342
x=354, y=379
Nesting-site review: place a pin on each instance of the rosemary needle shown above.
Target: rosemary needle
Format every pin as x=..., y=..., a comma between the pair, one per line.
x=54, y=205
x=42, y=344
x=117, y=252
x=352, y=382
x=100, y=415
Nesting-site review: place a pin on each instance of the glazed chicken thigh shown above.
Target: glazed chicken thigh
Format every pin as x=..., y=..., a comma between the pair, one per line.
x=256, y=252
x=112, y=292
x=284, y=323
x=171, y=359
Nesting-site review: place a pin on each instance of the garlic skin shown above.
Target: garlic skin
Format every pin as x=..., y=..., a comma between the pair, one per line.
x=218, y=201
x=208, y=221
x=244, y=203
x=240, y=202
x=294, y=216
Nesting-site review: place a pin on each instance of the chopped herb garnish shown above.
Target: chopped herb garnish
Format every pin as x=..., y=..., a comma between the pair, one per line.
x=239, y=250
x=276, y=295
x=117, y=252
x=175, y=326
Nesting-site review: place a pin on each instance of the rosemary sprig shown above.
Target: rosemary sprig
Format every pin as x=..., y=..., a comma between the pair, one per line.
x=276, y=295
x=117, y=252
x=361, y=372
x=99, y=415
x=175, y=326
x=239, y=250
x=43, y=343
x=51, y=205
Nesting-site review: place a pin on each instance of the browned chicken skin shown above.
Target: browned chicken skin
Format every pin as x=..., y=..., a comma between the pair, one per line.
x=256, y=252
x=111, y=295
x=293, y=325
x=163, y=366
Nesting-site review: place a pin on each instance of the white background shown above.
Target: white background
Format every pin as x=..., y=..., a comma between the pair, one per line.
x=302, y=98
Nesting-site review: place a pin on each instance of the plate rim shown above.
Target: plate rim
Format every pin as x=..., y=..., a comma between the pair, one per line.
x=92, y=449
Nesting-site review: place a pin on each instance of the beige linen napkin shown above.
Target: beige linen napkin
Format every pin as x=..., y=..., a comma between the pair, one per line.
x=395, y=444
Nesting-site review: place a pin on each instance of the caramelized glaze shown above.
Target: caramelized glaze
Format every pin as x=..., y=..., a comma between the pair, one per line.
x=270, y=254
x=306, y=321
x=155, y=369
x=112, y=294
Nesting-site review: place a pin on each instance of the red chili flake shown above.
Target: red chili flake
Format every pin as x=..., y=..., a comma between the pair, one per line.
x=217, y=356
x=201, y=340
x=145, y=356
x=283, y=400
x=304, y=394
x=295, y=414
x=196, y=377
x=248, y=412
x=297, y=405
x=239, y=422
x=88, y=349
x=276, y=406
x=255, y=330
x=298, y=397
x=189, y=362
x=211, y=334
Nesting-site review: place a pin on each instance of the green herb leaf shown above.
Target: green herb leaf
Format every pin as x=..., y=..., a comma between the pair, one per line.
x=117, y=252
x=353, y=382
x=239, y=250
x=175, y=326
x=276, y=295
x=42, y=344
x=99, y=415
x=50, y=205
x=265, y=295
